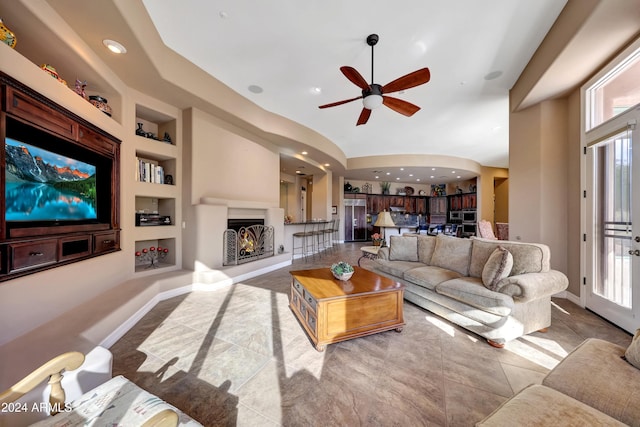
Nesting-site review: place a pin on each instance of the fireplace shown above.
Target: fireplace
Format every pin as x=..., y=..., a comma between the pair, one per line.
x=236, y=224
x=247, y=240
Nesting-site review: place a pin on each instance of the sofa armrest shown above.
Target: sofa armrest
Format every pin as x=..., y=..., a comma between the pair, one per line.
x=383, y=253
x=530, y=286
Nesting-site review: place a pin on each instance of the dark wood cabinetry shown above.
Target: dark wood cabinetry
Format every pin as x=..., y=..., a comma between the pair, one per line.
x=377, y=203
x=29, y=245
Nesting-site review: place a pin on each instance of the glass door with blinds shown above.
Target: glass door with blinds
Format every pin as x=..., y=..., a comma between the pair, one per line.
x=611, y=253
x=614, y=249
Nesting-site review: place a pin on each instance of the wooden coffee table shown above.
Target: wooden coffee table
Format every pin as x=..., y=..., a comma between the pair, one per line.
x=332, y=310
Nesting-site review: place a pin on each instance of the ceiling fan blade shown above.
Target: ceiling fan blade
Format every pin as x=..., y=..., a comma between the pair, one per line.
x=334, y=104
x=364, y=116
x=414, y=79
x=355, y=77
x=400, y=106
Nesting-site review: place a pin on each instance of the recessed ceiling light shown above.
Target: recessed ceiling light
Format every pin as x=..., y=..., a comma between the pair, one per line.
x=388, y=173
x=432, y=176
x=316, y=90
x=398, y=179
x=458, y=176
x=377, y=177
x=326, y=165
x=410, y=174
x=433, y=169
x=418, y=179
x=304, y=153
x=453, y=171
x=255, y=89
x=114, y=46
x=401, y=169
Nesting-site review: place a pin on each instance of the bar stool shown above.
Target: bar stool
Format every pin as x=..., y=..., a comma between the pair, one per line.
x=328, y=233
x=306, y=239
x=336, y=230
x=320, y=241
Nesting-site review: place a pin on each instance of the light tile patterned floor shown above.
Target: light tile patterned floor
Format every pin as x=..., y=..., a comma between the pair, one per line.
x=238, y=356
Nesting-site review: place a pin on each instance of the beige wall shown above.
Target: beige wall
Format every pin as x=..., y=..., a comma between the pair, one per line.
x=228, y=165
x=539, y=181
x=486, y=189
x=501, y=199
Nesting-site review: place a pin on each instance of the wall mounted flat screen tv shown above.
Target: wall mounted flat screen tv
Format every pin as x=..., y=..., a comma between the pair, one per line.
x=46, y=186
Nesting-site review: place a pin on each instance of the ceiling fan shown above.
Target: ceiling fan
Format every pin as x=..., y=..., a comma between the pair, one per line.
x=374, y=95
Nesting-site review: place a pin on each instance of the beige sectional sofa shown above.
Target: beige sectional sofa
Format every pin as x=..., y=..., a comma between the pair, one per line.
x=498, y=289
x=593, y=386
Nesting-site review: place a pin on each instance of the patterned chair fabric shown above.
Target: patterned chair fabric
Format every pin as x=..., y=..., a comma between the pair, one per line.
x=485, y=230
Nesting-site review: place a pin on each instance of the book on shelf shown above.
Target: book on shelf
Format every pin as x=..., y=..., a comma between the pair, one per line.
x=149, y=171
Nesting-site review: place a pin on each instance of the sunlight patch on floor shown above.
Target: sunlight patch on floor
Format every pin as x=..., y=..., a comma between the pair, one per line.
x=541, y=351
x=444, y=327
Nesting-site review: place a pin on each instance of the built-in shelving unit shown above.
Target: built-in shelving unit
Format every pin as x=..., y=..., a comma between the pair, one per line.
x=156, y=183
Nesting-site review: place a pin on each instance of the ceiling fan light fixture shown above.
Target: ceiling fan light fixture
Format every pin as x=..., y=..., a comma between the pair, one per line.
x=372, y=102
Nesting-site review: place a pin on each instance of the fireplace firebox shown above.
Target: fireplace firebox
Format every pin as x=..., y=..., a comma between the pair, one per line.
x=247, y=240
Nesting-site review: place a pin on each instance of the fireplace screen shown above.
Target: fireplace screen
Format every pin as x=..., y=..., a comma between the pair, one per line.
x=247, y=244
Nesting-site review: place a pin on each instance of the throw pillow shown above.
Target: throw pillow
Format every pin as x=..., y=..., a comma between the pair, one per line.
x=497, y=267
x=452, y=253
x=403, y=248
x=633, y=351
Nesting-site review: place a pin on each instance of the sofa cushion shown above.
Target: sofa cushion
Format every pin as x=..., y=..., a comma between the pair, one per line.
x=633, y=351
x=396, y=268
x=471, y=291
x=497, y=267
x=403, y=248
x=426, y=246
x=595, y=374
x=537, y=405
x=452, y=253
x=429, y=276
x=527, y=257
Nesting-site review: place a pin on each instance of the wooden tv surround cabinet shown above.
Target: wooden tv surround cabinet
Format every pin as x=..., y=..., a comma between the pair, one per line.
x=28, y=247
x=332, y=310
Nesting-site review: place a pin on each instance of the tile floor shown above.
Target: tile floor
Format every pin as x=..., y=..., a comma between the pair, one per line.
x=238, y=356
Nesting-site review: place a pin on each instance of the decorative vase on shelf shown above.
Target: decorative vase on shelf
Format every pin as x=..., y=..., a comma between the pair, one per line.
x=140, y=131
x=7, y=36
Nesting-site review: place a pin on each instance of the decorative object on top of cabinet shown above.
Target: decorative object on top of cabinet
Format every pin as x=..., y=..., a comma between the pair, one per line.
x=472, y=188
x=347, y=187
x=458, y=190
x=51, y=70
x=101, y=104
x=438, y=190
x=385, y=186
x=400, y=191
x=366, y=188
x=409, y=191
x=79, y=88
x=167, y=137
x=140, y=131
x=422, y=193
x=7, y=36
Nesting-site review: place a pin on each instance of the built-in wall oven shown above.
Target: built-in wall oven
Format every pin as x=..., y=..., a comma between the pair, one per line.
x=469, y=216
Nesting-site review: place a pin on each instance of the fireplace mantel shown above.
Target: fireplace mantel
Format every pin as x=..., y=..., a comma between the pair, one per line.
x=239, y=204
